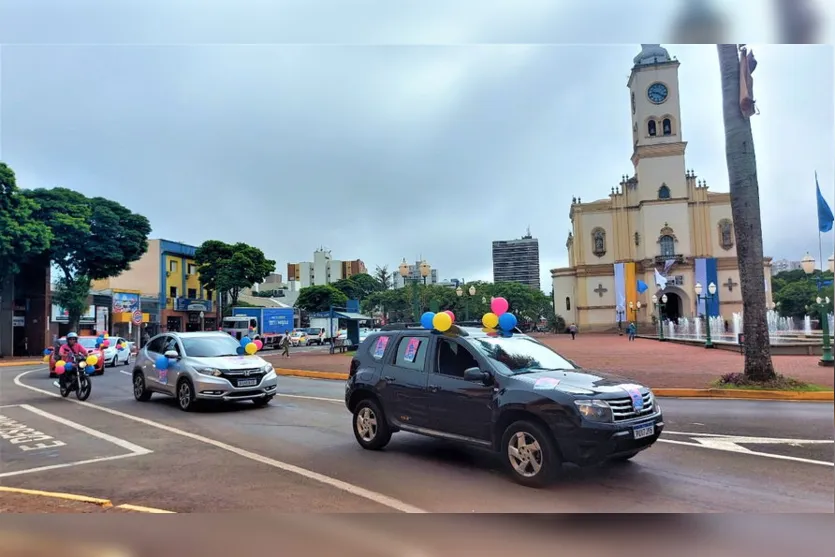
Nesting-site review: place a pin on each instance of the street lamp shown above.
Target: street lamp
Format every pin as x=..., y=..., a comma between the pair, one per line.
x=460, y=292
x=406, y=275
x=634, y=309
x=832, y=263
x=658, y=307
x=808, y=265
x=711, y=293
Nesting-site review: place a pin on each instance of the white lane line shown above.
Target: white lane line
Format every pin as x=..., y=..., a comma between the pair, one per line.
x=125, y=372
x=373, y=496
x=747, y=452
x=127, y=445
x=67, y=465
x=323, y=399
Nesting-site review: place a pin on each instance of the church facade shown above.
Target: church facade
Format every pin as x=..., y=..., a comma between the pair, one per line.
x=660, y=222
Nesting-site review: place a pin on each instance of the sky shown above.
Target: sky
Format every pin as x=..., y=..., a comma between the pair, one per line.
x=381, y=130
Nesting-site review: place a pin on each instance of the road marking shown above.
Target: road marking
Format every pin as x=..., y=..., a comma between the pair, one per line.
x=731, y=444
x=125, y=372
x=134, y=450
x=373, y=496
x=105, y=503
x=323, y=399
x=20, y=435
x=141, y=509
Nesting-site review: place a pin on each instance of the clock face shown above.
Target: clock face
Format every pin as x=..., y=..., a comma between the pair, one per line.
x=657, y=93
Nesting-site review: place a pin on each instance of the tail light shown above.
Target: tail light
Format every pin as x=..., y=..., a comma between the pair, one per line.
x=355, y=365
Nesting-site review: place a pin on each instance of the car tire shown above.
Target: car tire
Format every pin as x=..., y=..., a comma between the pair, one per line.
x=624, y=458
x=186, y=398
x=538, y=463
x=140, y=391
x=370, y=425
x=262, y=402
x=99, y=372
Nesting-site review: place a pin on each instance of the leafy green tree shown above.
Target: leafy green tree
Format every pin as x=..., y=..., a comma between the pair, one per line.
x=92, y=239
x=21, y=235
x=229, y=268
x=320, y=298
x=350, y=288
x=794, y=291
x=367, y=284
x=383, y=276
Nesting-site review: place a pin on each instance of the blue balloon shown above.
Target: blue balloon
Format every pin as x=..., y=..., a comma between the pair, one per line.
x=426, y=320
x=68, y=366
x=507, y=322
x=240, y=350
x=161, y=362
x=47, y=352
x=245, y=341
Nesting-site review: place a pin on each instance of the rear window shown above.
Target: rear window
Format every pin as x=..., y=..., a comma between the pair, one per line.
x=377, y=346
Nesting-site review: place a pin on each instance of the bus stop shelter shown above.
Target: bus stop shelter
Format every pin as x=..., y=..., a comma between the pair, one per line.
x=351, y=319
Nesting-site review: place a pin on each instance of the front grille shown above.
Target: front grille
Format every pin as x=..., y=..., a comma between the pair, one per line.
x=235, y=376
x=622, y=408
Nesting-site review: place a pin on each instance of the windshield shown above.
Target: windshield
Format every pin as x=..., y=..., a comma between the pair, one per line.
x=87, y=342
x=210, y=346
x=518, y=354
x=235, y=323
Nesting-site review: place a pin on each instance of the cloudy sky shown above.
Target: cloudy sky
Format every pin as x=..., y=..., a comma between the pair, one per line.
x=384, y=131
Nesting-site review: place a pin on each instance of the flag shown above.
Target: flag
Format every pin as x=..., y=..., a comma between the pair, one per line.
x=660, y=281
x=825, y=217
x=642, y=286
x=667, y=264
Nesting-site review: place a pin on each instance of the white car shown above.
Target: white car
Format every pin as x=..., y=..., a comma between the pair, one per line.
x=114, y=357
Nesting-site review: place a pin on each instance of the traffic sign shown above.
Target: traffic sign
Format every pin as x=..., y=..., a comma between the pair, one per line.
x=137, y=317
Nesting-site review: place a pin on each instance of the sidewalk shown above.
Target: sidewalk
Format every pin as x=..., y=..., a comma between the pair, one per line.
x=23, y=501
x=656, y=364
x=21, y=361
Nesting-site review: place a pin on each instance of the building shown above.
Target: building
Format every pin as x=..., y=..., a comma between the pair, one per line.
x=661, y=218
x=517, y=261
x=25, y=299
x=168, y=272
x=414, y=275
x=322, y=270
x=782, y=265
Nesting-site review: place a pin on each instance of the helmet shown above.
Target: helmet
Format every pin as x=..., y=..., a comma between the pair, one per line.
x=72, y=335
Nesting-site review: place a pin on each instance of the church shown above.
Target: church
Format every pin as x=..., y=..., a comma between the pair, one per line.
x=660, y=227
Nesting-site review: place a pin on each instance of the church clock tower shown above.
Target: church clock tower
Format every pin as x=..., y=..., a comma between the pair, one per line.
x=658, y=148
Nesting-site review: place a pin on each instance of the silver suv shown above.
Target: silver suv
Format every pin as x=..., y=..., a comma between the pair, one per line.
x=202, y=366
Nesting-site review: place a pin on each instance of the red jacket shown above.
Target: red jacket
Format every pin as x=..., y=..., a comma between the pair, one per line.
x=66, y=352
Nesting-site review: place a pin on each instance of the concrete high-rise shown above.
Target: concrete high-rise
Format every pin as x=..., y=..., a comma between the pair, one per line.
x=517, y=261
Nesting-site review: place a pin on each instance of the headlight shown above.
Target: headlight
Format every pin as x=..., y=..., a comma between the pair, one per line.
x=208, y=371
x=268, y=368
x=595, y=410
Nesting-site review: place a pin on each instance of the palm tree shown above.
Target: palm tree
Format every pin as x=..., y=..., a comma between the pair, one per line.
x=383, y=276
x=745, y=208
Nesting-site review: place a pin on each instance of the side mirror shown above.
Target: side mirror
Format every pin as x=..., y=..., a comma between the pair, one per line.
x=475, y=374
x=172, y=355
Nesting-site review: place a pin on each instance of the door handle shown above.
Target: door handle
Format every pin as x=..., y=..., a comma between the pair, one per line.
x=388, y=379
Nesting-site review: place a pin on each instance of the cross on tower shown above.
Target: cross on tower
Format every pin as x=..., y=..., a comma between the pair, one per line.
x=600, y=290
x=730, y=284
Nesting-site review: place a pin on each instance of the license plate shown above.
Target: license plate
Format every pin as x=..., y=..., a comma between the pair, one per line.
x=252, y=383
x=642, y=431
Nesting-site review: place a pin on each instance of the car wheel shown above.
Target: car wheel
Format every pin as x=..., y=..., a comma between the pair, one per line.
x=530, y=454
x=620, y=459
x=99, y=372
x=262, y=402
x=370, y=426
x=185, y=395
x=140, y=392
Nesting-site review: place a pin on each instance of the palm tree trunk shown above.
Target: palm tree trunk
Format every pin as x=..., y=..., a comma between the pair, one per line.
x=745, y=208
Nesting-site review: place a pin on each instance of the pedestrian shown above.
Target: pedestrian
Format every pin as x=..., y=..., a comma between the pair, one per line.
x=573, y=330
x=285, y=344
x=631, y=330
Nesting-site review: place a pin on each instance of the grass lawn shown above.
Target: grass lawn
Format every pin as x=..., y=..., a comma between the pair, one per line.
x=781, y=383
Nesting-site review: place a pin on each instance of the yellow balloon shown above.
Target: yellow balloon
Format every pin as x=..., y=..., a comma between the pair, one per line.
x=490, y=320
x=92, y=360
x=45, y=359
x=250, y=348
x=442, y=321
x=106, y=335
x=60, y=363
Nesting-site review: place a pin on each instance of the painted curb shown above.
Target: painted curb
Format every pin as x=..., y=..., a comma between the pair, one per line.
x=818, y=396
x=20, y=363
x=103, y=503
x=815, y=396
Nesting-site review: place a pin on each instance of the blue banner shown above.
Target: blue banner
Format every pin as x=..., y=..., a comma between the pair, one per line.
x=706, y=273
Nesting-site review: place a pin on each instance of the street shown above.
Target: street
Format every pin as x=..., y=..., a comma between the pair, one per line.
x=299, y=455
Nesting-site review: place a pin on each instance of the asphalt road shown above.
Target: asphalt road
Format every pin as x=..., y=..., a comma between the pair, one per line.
x=299, y=455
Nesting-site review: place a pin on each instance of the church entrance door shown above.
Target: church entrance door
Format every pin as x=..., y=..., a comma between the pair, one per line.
x=673, y=309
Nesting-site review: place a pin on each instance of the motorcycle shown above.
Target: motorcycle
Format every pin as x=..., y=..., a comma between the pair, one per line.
x=76, y=379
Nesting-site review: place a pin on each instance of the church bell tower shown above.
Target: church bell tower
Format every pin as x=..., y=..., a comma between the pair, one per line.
x=658, y=147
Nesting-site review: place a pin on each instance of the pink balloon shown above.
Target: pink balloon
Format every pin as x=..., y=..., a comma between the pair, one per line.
x=499, y=305
x=59, y=370
x=105, y=343
x=451, y=315
x=258, y=344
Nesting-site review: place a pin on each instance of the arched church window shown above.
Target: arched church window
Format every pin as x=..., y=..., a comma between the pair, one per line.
x=651, y=128
x=667, y=127
x=668, y=246
x=567, y=303
x=598, y=242
x=663, y=192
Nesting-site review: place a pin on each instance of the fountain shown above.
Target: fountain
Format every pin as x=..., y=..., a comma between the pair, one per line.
x=807, y=325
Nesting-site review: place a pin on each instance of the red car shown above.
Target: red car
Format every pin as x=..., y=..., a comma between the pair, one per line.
x=87, y=342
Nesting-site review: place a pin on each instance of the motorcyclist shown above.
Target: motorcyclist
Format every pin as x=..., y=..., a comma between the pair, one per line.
x=69, y=350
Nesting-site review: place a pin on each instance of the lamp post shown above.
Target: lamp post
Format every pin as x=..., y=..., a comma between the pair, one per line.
x=425, y=270
x=710, y=295
x=460, y=292
x=808, y=265
x=634, y=309
x=659, y=305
